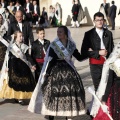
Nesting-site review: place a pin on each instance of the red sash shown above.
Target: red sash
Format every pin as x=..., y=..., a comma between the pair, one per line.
x=40, y=60
x=95, y=61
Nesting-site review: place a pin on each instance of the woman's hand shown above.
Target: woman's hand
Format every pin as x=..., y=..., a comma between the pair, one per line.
x=33, y=68
x=90, y=49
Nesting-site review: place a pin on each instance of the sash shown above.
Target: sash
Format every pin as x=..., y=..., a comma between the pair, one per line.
x=18, y=53
x=64, y=53
x=4, y=41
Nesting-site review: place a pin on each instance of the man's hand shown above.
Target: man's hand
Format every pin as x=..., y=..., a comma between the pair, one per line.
x=103, y=52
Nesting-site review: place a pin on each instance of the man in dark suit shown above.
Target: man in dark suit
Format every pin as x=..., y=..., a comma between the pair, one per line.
x=105, y=6
x=4, y=3
x=28, y=7
x=97, y=46
x=23, y=26
x=39, y=48
x=18, y=7
x=112, y=14
x=36, y=13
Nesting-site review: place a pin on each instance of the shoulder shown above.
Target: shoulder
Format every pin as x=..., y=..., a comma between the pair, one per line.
x=47, y=41
x=35, y=42
x=90, y=31
x=107, y=31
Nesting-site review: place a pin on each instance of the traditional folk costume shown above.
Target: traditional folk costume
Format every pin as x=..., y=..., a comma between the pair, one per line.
x=39, y=48
x=109, y=88
x=18, y=82
x=75, y=11
x=104, y=10
x=97, y=40
x=3, y=48
x=36, y=14
x=28, y=7
x=59, y=91
x=58, y=15
x=11, y=13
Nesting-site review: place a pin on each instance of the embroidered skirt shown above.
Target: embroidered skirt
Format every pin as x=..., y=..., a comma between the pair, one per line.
x=63, y=92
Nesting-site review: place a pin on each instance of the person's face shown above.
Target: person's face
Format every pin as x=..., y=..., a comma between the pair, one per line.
x=34, y=2
x=99, y=21
x=76, y=1
x=61, y=33
x=19, y=17
x=11, y=3
x=17, y=4
x=27, y=1
x=104, y=1
x=1, y=18
x=41, y=34
x=19, y=38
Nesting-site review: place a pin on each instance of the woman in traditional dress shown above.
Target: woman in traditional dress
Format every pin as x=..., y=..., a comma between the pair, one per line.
x=16, y=79
x=3, y=31
x=109, y=88
x=58, y=14
x=2, y=11
x=11, y=11
x=59, y=91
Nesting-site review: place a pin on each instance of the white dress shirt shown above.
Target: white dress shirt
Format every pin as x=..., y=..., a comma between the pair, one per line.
x=42, y=41
x=20, y=25
x=18, y=7
x=35, y=10
x=27, y=7
x=100, y=33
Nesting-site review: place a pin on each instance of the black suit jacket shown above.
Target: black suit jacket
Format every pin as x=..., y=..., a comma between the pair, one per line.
x=112, y=12
x=30, y=7
x=20, y=8
x=93, y=41
x=37, y=9
x=26, y=30
x=37, y=48
x=105, y=7
x=37, y=52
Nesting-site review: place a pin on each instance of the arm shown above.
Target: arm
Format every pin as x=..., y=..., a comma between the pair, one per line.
x=111, y=45
x=78, y=56
x=85, y=47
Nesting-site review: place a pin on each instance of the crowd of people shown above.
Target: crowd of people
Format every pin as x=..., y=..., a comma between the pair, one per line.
x=44, y=72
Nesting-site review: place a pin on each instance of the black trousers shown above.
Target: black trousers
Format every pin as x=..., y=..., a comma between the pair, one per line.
x=75, y=17
x=113, y=22
x=96, y=72
x=35, y=19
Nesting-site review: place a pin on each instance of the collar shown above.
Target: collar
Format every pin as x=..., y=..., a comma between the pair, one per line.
x=99, y=31
x=41, y=41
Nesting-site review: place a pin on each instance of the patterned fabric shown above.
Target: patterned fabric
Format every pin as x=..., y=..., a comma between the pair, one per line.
x=63, y=91
x=115, y=100
x=70, y=48
x=20, y=76
x=2, y=54
x=10, y=93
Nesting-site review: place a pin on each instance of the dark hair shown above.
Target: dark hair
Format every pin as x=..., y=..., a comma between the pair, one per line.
x=65, y=30
x=18, y=1
x=1, y=4
x=39, y=29
x=113, y=2
x=98, y=14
